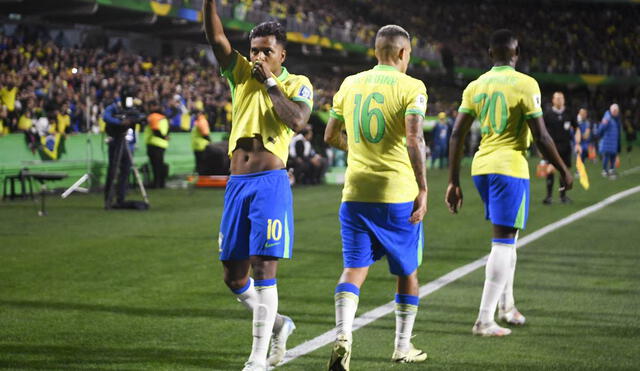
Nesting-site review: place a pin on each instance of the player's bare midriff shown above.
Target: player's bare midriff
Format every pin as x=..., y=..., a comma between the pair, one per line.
x=250, y=156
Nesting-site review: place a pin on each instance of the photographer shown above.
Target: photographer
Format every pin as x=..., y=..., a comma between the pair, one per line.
x=156, y=136
x=120, y=117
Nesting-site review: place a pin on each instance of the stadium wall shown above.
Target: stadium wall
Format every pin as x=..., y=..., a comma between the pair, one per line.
x=89, y=151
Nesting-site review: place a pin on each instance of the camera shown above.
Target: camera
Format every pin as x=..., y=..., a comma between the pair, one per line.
x=132, y=110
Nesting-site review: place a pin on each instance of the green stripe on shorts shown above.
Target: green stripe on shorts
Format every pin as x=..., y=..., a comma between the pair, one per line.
x=520, y=217
x=287, y=249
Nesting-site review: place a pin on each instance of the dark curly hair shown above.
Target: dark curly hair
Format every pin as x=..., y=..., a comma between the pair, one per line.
x=501, y=38
x=270, y=28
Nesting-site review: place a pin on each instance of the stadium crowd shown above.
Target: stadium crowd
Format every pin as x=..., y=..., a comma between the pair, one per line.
x=45, y=86
x=555, y=37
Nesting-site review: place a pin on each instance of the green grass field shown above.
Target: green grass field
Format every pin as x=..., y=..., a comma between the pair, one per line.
x=88, y=289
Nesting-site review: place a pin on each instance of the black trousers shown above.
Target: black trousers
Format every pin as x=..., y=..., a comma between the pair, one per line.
x=200, y=166
x=156, y=158
x=115, y=147
x=565, y=154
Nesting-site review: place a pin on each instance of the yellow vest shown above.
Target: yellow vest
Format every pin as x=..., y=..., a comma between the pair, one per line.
x=156, y=121
x=198, y=133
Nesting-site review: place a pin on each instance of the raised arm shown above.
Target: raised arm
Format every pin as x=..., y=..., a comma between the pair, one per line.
x=215, y=34
x=453, y=198
x=548, y=150
x=417, y=156
x=334, y=134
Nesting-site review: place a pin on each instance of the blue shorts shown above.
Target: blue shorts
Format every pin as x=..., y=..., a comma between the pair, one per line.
x=506, y=199
x=372, y=230
x=257, y=218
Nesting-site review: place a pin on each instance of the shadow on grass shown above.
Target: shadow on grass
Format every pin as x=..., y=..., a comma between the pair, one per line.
x=78, y=357
x=133, y=311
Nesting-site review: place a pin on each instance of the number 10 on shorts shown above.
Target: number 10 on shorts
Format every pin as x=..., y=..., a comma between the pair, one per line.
x=274, y=229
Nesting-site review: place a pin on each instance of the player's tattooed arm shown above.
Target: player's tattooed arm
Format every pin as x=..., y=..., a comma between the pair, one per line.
x=334, y=134
x=215, y=34
x=453, y=197
x=417, y=155
x=549, y=151
x=294, y=114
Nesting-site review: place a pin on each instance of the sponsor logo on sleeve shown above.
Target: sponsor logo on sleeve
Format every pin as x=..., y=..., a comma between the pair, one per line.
x=421, y=102
x=537, y=102
x=304, y=92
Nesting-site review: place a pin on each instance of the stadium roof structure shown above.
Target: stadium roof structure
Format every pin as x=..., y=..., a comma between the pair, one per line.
x=129, y=16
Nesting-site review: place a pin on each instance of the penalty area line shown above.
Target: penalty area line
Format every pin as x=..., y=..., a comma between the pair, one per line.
x=433, y=286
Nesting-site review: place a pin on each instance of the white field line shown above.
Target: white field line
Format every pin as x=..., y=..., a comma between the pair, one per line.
x=631, y=171
x=429, y=288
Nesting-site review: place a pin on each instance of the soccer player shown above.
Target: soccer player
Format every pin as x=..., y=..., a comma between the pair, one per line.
x=269, y=105
x=507, y=104
x=385, y=194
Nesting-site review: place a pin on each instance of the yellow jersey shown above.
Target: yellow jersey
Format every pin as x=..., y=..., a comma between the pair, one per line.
x=8, y=97
x=253, y=112
x=502, y=99
x=64, y=121
x=373, y=105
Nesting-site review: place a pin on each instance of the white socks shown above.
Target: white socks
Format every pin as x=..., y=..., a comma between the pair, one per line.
x=261, y=298
x=406, y=310
x=507, y=301
x=264, y=315
x=346, y=297
x=497, y=273
x=248, y=297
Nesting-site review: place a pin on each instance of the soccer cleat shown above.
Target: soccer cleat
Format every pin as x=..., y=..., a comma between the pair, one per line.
x=340, y=355
x=279, y=342
x=511, y=316
x=566, y=200
x=412, y=355
x=253, y=366
x=489, y=329
x=547, y=200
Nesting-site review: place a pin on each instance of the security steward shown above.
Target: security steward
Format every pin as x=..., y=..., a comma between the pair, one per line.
x=156, y=136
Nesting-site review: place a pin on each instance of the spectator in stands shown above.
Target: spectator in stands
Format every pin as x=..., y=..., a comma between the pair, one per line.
x=4, y=123
x=308, y=166
x=8, y=94
x=609, y=132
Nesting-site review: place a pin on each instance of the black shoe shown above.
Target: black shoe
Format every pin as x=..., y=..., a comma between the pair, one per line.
x=547, y=200
x=565, y=200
